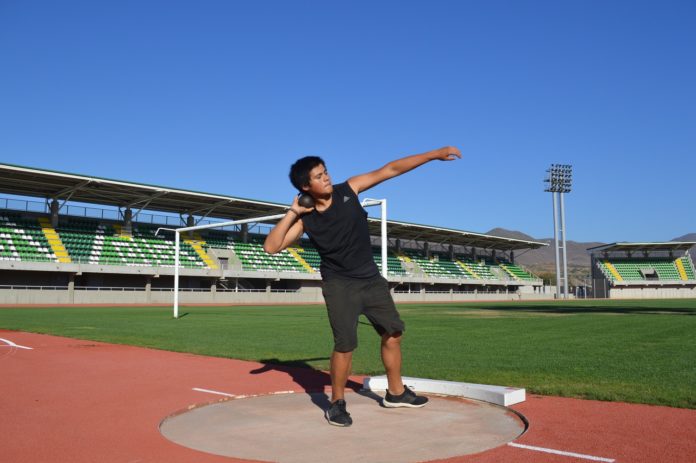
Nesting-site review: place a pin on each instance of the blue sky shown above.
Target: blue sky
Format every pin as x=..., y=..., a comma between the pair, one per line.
x=222, y=96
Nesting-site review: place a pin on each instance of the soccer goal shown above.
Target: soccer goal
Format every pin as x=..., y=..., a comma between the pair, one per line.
x=367, y=202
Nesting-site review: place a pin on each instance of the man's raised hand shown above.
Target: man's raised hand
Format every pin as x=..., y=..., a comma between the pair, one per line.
x=448, y=153
x=298, y=209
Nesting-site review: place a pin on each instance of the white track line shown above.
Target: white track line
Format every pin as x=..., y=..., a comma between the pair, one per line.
x=213, y=392
x=11, y=344
x=560, y=452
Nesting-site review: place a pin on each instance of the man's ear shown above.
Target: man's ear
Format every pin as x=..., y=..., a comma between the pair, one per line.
x=305, y=187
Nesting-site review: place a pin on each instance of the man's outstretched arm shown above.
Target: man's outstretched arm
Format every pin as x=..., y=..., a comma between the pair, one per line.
x=366, y=181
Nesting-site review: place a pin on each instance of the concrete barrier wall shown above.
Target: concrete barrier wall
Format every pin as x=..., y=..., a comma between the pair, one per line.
x=34, y=296
x=455, y=297
x=65, y=296
x=652, y=293
x=304, y=296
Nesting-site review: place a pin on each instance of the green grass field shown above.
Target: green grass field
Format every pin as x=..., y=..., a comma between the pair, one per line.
x=634, y=351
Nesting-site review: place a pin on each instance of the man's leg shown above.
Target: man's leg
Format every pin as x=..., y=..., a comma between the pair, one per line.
x=341, y=363
x=397, y=395
x=391, y=357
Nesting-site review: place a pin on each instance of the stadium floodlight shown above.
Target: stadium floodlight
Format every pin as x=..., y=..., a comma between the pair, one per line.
x=559, y=179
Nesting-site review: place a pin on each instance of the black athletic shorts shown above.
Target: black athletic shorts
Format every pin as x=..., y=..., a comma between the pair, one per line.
x=346, y=299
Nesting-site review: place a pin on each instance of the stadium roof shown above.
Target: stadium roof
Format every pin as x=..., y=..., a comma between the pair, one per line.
x=33, y=182
x=664, y=246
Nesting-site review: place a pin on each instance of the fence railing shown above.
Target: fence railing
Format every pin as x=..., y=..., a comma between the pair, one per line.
x=453, y=292
x=141, y=288
x=74, y=210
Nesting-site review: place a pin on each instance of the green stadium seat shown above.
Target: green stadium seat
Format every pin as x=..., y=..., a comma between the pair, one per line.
x=22, y=239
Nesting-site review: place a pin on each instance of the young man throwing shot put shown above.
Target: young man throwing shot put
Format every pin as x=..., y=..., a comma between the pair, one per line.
x=352, y=285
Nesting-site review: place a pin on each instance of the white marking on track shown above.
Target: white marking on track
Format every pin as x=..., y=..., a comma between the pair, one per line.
x=11, y=344
x=561, y=452
x=213, y=392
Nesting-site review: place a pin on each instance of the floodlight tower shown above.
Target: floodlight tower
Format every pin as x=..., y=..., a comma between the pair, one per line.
x=559, y=178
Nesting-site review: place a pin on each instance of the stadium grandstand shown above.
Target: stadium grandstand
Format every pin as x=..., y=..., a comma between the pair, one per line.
x=67, y=238
x=643, y=270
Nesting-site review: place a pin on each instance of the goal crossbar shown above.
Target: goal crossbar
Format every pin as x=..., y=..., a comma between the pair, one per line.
x=367, y=202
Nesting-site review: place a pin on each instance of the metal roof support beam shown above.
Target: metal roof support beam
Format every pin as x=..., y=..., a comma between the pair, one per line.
x=70, y=190
x=147, y=199
x=147, y=203
x=209, y=210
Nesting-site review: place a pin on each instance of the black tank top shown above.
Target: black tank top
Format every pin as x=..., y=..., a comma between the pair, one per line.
x=342, y=237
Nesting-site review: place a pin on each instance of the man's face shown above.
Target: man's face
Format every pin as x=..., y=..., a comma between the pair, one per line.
x=319, y=181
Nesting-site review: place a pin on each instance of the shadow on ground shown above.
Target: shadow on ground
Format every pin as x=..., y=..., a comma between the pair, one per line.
x=311, y=380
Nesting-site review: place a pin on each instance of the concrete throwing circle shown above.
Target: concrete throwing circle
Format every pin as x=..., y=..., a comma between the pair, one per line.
x=291, y=428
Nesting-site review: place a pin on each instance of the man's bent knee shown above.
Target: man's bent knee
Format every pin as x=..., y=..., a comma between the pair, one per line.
x=390, y=339
x=345, y=347
x=342, y=353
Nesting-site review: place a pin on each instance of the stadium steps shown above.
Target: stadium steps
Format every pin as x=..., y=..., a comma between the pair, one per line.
x=293, y=250
x=609, y=266
x=499, y=272
x=23, y=240
x=309, y=254
x=125, y=233
x=468, y=269
x=509, y=272
x=689, y=267
x=481, y=269
x=517, y=272
x=99, y=243
x=54, y=241
x=453, y=269
x=438, y=266
x=197, y=244
x=254, y=258
x=681, y=269
x=394, y=264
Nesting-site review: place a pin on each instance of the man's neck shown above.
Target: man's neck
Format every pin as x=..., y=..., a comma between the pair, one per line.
x=322, y=204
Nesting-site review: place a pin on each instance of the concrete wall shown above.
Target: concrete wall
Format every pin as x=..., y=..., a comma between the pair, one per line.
x=463, y=297
x=52, y=283
x=633, y=292
x=311, y=295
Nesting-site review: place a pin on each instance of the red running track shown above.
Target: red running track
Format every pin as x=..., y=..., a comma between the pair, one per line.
x=76, y=401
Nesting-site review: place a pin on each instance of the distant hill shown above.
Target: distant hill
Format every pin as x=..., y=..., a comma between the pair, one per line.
x=576, y=251
x=688, y=237
x=516, y=235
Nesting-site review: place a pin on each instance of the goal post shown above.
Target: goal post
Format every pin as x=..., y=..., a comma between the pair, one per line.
x=383, y=229
x=268, y=218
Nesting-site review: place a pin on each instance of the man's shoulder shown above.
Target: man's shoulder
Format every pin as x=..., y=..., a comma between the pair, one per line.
x=344, y=194
x=344, y=188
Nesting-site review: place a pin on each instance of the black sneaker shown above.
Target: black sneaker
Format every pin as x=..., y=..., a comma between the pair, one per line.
x=337, y=414
x=408, y=398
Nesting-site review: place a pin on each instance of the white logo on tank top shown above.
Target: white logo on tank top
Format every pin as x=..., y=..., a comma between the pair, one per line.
x=346, y=199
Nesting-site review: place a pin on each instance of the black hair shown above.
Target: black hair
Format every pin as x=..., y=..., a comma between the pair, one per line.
x=299, y=172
